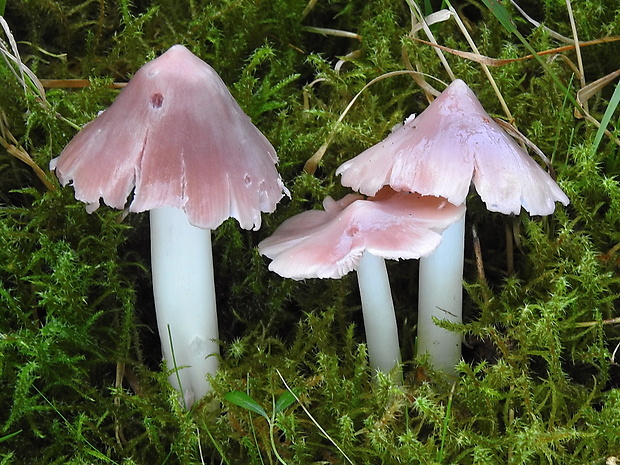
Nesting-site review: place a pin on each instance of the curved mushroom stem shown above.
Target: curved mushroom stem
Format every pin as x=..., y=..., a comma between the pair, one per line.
x=379, y=317
x=441, y=296
x=184, y=293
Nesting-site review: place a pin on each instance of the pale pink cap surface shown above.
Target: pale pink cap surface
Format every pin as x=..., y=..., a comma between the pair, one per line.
x=329, y=243
x=451, y=144
x=177, y=136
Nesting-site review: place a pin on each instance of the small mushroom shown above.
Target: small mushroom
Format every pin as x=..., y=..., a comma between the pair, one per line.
x=451, y=144
x=176, y=138
x=357, y=233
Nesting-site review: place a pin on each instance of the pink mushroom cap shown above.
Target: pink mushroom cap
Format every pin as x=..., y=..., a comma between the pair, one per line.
x=176, y=137
x=329, y=243
x=450, y=144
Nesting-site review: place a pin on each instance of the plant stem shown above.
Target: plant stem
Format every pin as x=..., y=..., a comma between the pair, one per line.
x=441, y=297
x=379, y=317
x=184, y=292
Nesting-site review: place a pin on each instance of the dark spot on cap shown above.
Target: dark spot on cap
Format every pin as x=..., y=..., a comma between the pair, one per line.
x=157, y=100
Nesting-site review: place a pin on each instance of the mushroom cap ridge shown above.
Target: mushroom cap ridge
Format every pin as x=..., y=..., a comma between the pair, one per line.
x=450, y=144
x=177, y=136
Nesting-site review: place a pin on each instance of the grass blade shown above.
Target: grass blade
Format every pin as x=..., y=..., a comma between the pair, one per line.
x=243, y=400
x=611, y=108
x=502, y=14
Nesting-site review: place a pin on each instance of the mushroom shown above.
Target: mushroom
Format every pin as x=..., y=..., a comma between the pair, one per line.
x=178, y=140
x=451, y=144
x=357, y=233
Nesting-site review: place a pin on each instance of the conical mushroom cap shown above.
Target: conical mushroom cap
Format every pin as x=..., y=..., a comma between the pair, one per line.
x=329, y=243
x=177, y=138
x=450, y=144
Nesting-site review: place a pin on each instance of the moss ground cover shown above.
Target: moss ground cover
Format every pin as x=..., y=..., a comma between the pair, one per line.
x=80, y=374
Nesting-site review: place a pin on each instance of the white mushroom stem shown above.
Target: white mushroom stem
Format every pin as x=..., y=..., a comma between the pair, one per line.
x=378, y=312
x=441, y=296
x=184, y=292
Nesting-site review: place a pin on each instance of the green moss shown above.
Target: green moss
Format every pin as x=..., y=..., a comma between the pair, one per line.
x=80, y=373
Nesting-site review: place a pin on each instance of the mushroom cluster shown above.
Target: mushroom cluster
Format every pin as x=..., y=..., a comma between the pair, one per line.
x=441, y=152
x=357, y=233
x=436, y=155
x=177, y=140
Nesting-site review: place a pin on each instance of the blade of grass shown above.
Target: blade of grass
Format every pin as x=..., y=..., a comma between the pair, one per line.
x=316, y=423
x=176, y=368
x=9, y=436
x=217, y=446
x=609, y=111
x=444, y=428
x=503, y=16
x=414, y=7
x=93, y=451
x=573, y=26
x=551, y=32
x=241, y=399
x=272, y=424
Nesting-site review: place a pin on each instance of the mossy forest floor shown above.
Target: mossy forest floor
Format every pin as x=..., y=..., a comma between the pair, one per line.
x=81, y=380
